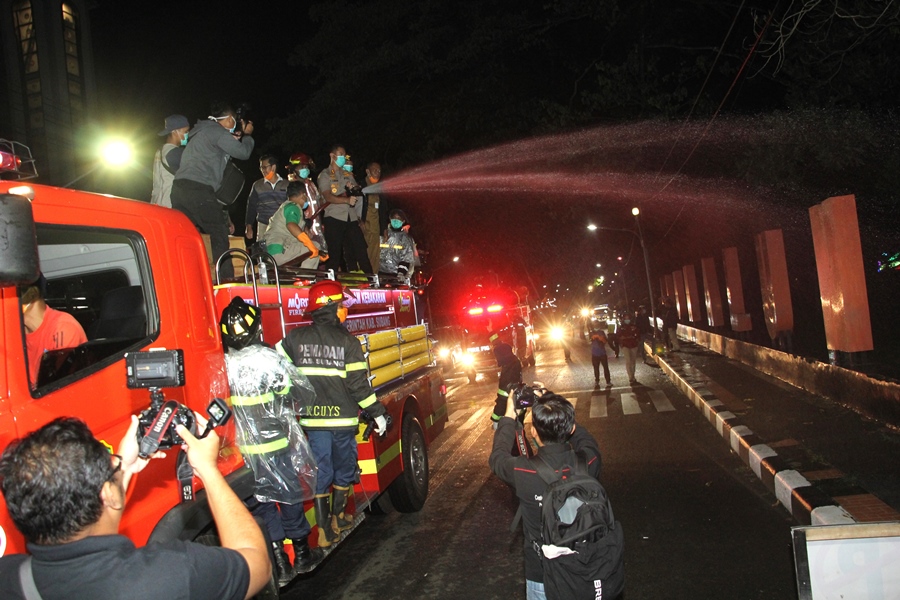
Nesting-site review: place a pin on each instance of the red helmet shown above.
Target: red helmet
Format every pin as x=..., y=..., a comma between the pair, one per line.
x=323, y=293
x=301, y=158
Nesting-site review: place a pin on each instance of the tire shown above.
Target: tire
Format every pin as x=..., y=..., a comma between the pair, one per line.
x=382, y=505
x=409, y=491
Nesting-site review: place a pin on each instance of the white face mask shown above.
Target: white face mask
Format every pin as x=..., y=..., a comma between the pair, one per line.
x=217, y=119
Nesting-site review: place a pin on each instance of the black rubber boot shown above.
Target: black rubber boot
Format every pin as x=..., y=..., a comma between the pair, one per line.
x=341, y=520
x=283, y=571
x=303, y=555
x=327, y=536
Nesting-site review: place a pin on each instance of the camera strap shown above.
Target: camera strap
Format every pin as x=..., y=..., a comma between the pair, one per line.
x=153, y=438
x=185, y=474
x=26, y=580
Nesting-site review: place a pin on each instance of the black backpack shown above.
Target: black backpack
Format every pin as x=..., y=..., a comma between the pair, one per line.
x=583, y=544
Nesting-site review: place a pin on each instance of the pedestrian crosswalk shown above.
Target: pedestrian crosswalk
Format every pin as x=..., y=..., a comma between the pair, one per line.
x=601, y=404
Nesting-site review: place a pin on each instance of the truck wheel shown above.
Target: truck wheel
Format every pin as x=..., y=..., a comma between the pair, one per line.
x=409, y=490
x=382, y=505
x=270, y=591
x=472, y=376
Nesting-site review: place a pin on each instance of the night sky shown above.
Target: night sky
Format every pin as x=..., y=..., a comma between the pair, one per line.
x=505, y=128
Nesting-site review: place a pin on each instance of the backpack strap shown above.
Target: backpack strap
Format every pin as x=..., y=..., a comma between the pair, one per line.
x=26, y=580
x=544, y=470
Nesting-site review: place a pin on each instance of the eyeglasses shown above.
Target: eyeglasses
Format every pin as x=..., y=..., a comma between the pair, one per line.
x=266, y=167
x=117, y=467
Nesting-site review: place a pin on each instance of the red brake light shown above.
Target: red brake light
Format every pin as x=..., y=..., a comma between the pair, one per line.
x=443, y=389
x=494, y=308
x=476, y=311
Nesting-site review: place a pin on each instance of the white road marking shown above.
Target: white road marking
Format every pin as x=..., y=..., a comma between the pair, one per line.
x=473, y=419
x=598, y=406
x=630, y=405
x=660, y=401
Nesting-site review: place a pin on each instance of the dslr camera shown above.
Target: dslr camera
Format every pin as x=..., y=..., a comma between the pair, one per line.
x=242, y=115
x=156, y=424
x=524, y=395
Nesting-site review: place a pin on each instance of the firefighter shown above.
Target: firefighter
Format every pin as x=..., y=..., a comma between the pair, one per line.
x=398, y=250
x=333, y=361
x=510, y=373
x=265, y=387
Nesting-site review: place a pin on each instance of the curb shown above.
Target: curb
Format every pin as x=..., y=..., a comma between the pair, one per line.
x=807, y=504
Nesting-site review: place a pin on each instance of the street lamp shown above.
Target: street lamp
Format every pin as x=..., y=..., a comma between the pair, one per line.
x=636, y=212
x=112, y=153
x=640, y=236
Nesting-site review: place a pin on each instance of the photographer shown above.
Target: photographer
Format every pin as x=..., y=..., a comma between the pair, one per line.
x=558, y=437
x=213, y=142
x=66, y=494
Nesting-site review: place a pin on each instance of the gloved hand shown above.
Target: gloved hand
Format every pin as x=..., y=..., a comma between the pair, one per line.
x=304, y=239
x=380, y=425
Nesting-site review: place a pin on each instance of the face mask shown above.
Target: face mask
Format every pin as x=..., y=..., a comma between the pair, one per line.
x=342, y=313
x=340, y=160
x=374, y=179
x=270, y=175
x=348, y=168
x=303, y=173
x=184, y=140
x=396, y=223
x=306, y=205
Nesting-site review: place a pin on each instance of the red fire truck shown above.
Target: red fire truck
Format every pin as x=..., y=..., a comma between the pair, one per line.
x=495, y=310
x=137, y=278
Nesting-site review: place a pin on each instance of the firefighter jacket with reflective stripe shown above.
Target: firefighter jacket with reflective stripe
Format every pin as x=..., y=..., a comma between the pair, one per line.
x=334, y=363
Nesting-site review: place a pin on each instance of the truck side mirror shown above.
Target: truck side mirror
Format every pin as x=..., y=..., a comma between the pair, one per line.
x=18, y=245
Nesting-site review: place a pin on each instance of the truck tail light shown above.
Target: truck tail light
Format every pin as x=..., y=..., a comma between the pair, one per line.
x=495, y=308
x=443, y=389
x=476, y=311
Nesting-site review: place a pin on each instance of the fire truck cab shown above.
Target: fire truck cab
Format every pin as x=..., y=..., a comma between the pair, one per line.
x=495, y=310
x=137, y=278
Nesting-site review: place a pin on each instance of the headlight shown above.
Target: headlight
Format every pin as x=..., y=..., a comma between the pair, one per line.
x=467, y=359
x=556, y=333
x=444, y=352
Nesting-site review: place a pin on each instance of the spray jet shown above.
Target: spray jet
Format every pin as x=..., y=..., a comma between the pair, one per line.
x=375, y=188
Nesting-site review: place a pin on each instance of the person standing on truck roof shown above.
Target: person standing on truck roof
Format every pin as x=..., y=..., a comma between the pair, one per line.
x=45, y=328
x=70, y=519
x=213, y=143
x=333, y=361
x=289, y=237
x=266, y=196
x=372, y=208
x=341, y=220
x=176, y=132
x=265, y=388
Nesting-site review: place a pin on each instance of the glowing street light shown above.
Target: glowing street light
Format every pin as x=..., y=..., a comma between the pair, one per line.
x=592, y=227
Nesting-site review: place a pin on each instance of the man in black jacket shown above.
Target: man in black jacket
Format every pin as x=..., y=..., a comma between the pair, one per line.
x=333, y=361
x=558, y=438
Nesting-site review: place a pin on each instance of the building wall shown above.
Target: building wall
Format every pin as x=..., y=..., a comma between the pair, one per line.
x=48, y=70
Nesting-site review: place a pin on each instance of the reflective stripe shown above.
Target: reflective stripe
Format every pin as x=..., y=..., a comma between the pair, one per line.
x=283, y=390
x=252, y=400
x=502, y=393
x=267, y=448
x=325, y=423
x=357, y=366
x=371, y=466
x=368, y=401
x=322, y=372
x=495, y=417
x=280, y=348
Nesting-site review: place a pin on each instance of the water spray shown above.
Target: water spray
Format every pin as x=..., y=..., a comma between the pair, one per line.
x=375, y=188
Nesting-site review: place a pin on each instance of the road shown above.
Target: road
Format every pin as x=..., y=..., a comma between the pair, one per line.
x=698, y=523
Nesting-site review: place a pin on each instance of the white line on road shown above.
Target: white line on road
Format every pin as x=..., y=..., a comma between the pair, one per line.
x=660, y=401
x=630, y=404
x=473, y=419
x=598, y=407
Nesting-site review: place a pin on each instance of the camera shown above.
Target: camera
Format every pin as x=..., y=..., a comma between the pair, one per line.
x=524, y=395
x=242, y=115
x=156, y=424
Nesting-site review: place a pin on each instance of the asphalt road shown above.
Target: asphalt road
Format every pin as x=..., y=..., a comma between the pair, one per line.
x=698, y=524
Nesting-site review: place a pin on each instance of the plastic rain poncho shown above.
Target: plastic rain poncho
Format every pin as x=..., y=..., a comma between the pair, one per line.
x=266, y=391
x=397, y=253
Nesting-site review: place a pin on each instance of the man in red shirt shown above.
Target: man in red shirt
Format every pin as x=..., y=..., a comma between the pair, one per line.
x=46, y=329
